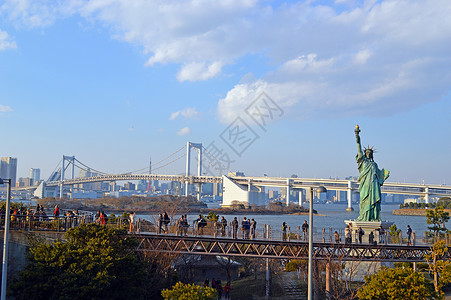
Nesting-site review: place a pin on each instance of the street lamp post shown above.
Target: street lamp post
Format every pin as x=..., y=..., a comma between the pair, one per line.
x=5, y=238
x=319, y=189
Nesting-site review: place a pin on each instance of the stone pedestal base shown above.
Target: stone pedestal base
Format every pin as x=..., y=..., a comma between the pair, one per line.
x=349, y=209
x=368, y=227
x=358, y=269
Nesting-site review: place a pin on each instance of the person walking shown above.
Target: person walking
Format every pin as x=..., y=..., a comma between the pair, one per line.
x=223, y=226
x=201, y=223
x=160, y=223
x=102, y=218
x=56, y=212
x=360, y=233
x=381, y=235
x=185, y=225
x=337, y=237
x=253, y=228
x=227, y=290
x=409, y=236
x=305, y=229
x=166, y=221
x=371, y=238
x=348, y=235
x=234, y=228
x=131, y=220
x=244, y=228
x=284, y=231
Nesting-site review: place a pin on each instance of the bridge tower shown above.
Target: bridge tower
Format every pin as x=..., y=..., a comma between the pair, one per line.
x=197, y=146
x=70, y=159
x=150, y=172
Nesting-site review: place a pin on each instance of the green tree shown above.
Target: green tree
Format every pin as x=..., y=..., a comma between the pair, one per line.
x=437, y=219
x=212, y=216
x=441, y=269
x=394, y=233
x=398, y=283
x=444, y=201
x=296, y=264
x=95, y=262
x=182, y=291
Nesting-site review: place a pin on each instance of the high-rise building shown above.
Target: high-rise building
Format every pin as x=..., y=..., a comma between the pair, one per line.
x=129, y=186
x=35, y=175
x=23, y=182
x=8, y=169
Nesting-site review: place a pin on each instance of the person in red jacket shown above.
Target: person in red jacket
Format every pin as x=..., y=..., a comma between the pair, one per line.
x=56, y=213
x=227, y=290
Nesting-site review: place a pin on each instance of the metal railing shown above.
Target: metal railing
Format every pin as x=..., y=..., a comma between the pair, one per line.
x=64, y=222
x=265, y=232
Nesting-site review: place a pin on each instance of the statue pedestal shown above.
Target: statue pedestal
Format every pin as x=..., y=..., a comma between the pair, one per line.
x=359, y=269
x=367, y=226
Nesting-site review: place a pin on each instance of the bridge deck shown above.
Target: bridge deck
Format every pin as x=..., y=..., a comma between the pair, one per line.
x=199, y=245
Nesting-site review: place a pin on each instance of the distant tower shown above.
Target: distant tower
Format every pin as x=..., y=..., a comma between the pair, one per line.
x=35, y=174
x=149, y=186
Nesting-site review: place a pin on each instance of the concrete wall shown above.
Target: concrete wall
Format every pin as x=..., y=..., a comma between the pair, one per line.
x=237, y=193
x=18, y=244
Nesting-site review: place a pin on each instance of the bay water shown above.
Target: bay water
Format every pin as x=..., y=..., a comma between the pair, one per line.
x=329, y=216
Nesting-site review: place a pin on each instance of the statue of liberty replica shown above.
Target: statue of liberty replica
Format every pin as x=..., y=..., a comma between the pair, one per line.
x=371, y=179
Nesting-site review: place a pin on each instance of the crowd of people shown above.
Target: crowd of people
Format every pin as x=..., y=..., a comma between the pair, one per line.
x=28, y=214
x=217, y=285
x=220, y=226
x=39, y=217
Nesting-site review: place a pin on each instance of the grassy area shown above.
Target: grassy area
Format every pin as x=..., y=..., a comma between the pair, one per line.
x=249, y=288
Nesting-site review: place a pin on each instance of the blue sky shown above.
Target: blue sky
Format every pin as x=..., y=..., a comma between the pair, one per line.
x=114, y=82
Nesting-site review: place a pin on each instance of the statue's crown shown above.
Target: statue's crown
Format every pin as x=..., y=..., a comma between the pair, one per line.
x=370, y=149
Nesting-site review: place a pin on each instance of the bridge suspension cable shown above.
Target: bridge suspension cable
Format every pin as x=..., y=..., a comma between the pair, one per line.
x=183, y=155
x=216, y=161
x=58, y=167
x=89, y=168
x=158, y=162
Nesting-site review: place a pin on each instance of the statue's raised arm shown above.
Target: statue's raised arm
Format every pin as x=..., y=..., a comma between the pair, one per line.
x=357, y=137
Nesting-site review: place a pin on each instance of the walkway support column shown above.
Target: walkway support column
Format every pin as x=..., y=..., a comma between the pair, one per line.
x=328, y=292
x=199, y=173
x=6, y=238
x=268, y=269
x=73, y=176
x=300, y=196
x=62, y=177
x=288, y=192
x=349, y=194
x=426, y=195
x=188, y=151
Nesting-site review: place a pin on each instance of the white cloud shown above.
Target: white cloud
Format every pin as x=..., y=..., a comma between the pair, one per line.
x=362, y=56
x=5, y=108
x=184, y=131
x=199, y=71
x=6, y=42
x=368, y=57
x=37, y=13
x=187, y=113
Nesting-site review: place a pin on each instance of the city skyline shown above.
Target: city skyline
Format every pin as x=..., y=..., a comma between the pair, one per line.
x=114, y=84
